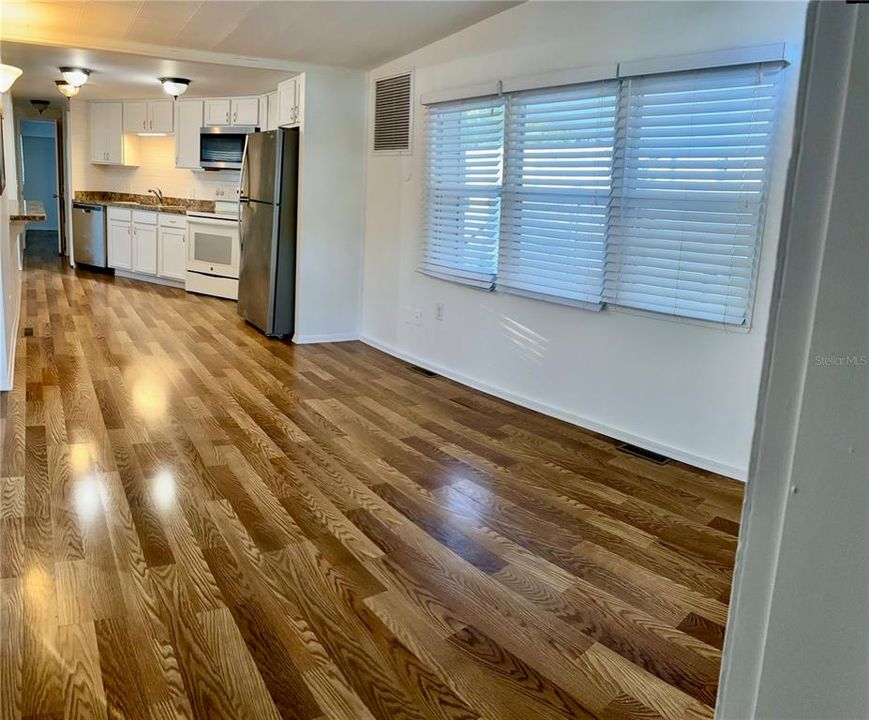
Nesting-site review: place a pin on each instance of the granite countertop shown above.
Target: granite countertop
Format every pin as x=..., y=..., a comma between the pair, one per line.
x=26, y=211
x=177, y=206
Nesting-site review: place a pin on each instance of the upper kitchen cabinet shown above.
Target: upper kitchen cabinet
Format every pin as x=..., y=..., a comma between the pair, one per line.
x=245, y=111
x=232, y=111
x=290, y=101
x=272, y=117
x=108, y=145
x=217, y=112
x=148, y=117
x=188, y=123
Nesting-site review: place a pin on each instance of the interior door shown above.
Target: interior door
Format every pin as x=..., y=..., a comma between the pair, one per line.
x=255, y=281
x=261, y=166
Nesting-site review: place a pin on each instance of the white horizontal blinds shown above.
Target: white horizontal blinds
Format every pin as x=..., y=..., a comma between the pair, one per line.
x=559, y=152
x=463, y=188
x=693, y=155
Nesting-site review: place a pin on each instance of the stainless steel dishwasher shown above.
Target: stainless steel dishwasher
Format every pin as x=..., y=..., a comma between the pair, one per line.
x=89, y=234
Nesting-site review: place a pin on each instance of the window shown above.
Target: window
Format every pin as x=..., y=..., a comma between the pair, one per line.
x=688, y=203
x=556, y=191
x=463, y=198
x=646, y=192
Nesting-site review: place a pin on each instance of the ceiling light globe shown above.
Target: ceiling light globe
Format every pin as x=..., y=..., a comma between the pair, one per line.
x=174, y=86
x=66, y=89
x=75, y=76
x=8, y=75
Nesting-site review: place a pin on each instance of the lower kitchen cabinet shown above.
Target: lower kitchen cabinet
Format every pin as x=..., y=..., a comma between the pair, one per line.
x=144, y=248
x=148, y=243
x=172, y=253
x=120, y=244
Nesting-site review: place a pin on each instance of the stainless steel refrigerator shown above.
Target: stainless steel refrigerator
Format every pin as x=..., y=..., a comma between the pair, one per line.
x=267, y=231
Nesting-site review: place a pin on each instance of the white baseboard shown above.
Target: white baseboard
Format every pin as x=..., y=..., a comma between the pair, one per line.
x=731, y=471
x=10, y=357
x=311, y=339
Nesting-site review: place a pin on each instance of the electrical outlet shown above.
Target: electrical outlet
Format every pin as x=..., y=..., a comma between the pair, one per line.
x=417, y=316
x=439, y=311
x=408, y=314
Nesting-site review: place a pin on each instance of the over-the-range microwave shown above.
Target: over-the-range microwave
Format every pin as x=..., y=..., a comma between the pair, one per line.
x=222, y=147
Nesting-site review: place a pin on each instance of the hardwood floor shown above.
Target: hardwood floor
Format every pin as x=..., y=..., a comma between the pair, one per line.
x=198, y=522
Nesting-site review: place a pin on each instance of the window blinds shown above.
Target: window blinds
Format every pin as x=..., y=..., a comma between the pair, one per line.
x=693, y=154
x=463, y=190
x=559, y=152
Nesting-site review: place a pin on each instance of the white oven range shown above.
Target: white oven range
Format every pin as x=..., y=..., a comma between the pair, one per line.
x=213, y=254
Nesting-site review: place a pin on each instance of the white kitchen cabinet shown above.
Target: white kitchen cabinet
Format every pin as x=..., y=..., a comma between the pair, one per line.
x=172, y=246
x=160, y=118
x=188, y=123
x=145, y=242
x=264, y=112
x=135, y=117
x=148, y=117
x=245, y=111
x=272, y=121
x=290, y=101
x=120, y=244
x=107, y=133
x=218, y=112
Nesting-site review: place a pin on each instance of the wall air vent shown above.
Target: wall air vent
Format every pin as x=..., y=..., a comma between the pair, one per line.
x=393, y=113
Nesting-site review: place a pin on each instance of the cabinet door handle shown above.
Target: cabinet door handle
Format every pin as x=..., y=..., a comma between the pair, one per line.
x=144, y=124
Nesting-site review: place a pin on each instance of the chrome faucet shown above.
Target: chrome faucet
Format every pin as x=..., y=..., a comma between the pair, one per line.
x=158, y=194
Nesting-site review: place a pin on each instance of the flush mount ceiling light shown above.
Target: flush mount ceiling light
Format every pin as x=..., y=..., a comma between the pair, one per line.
x=174, y=86
x=40, y=105
x=75, y=76
x=8, y=75
x=66, y=89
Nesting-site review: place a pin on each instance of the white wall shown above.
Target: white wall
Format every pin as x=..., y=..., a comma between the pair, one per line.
x=797, y=642
x=10, y=275
x=682, y=388
x=331, y=197
x=156, y=166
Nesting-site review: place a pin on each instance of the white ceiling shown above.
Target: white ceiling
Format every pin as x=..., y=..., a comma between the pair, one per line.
x=361, y=34
x=120, y=75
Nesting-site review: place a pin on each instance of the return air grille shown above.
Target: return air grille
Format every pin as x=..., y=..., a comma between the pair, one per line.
x=639, y=452
x=392, y=114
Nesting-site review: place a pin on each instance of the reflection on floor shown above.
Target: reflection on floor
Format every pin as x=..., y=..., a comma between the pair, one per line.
x=198, y=522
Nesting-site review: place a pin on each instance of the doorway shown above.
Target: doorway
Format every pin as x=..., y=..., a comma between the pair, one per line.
x=41, y=177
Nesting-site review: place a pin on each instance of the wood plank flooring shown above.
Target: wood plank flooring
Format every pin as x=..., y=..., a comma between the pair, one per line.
x=198, y=522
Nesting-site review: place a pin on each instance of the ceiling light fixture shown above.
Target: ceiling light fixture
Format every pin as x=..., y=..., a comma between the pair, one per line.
x=66, y=89
x=75, y=76
x=8, y=75
x=40, y=105
x=175, y=86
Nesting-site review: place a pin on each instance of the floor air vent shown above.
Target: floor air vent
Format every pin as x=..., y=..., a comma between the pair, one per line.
x=643, y=453
x=422, y=371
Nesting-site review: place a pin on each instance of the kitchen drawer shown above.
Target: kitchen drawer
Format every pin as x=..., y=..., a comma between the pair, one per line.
x=146, y=217
x=173, y=220
x=119, y=213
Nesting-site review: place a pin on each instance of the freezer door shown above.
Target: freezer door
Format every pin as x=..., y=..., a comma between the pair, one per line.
x=256, y=279
x=260, y=167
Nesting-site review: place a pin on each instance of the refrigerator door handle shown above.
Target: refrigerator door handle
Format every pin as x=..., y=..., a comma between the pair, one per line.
x=244, y=192
x=242, y=201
